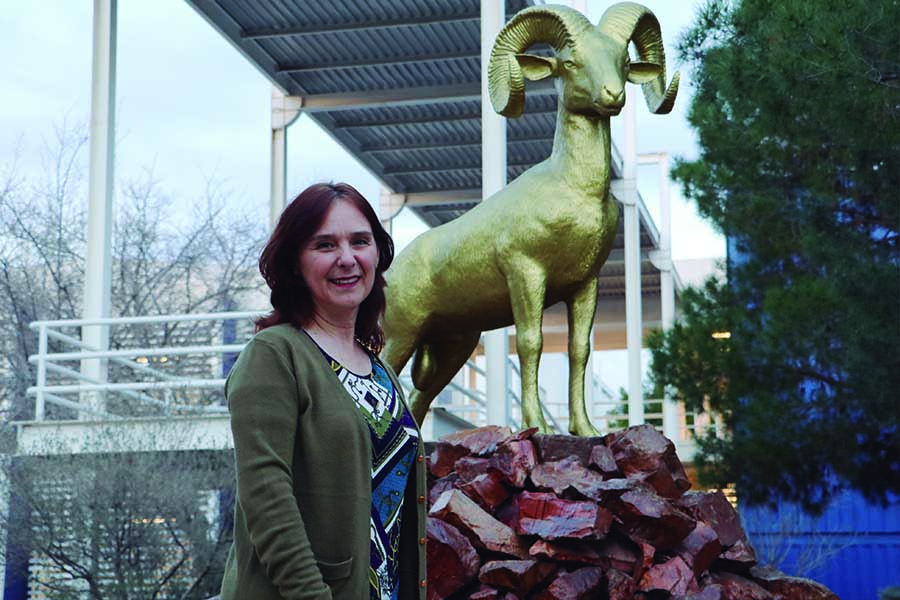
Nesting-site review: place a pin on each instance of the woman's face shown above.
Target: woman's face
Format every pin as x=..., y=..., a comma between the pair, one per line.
x=338, y=262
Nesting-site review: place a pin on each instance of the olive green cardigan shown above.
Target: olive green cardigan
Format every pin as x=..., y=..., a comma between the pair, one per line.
x=304, y=482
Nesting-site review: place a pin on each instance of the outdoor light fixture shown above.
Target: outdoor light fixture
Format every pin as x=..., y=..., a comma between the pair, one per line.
x=721, y=335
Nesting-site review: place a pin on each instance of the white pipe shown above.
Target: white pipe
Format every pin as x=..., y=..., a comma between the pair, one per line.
x=223, y=316
x=169, y=351
x=41, y=374
x=285, y=110
x=493, y=179
x=98, y=264
x=278, y=196
x=633, y=333
x=671, y=425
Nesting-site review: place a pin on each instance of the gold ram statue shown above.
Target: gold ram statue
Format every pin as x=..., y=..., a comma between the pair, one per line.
x=544, y=237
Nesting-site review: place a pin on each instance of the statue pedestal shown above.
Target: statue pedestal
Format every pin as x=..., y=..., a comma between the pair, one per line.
x=528, y=516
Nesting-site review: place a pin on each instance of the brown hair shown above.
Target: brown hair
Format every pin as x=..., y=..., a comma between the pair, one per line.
x=291, y=300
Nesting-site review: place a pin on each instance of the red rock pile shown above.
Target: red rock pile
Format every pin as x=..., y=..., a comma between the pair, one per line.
x=520, y=516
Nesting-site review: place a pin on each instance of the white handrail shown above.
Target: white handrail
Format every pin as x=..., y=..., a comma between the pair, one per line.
x=223, y=316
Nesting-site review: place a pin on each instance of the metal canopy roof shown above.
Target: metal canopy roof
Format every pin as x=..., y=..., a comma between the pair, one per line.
x=398, y=84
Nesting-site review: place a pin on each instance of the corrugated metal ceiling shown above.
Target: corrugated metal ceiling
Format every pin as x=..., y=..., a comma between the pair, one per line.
x=362, y=52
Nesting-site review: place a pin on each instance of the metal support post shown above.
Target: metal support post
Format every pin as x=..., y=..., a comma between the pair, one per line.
x=98, y=263
x=671, y=426
x=493, y=168
x=389, y=206
x=662, y=260
x=285, y=110
x=632, y=264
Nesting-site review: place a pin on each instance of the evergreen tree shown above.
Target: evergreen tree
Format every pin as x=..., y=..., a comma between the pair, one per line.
x=797, y=110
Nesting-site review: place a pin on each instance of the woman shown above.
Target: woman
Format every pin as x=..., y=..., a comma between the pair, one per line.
x=330, y=464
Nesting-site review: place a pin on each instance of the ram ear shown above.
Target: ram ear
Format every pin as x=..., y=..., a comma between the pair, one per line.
x=643, y=72
x=535, y=68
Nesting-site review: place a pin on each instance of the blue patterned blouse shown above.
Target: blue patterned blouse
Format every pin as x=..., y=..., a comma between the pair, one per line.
x=394, y=441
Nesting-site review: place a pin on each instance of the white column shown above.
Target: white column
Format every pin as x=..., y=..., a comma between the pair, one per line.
x=98, y=263
x=493, y=169
x=4, y=516
x=589, y=378
x=671, y=426
x=285, y=110
x=633, y=326
x=389, y=206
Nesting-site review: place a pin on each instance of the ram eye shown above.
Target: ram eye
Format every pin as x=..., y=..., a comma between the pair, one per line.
x=569, y=64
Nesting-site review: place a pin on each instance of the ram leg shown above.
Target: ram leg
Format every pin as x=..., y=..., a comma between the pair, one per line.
x=580, y=308
x=527, y=286
x=397, y=350
x=434, y=366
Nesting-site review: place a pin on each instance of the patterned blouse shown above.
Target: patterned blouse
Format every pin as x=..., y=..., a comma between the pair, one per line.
x=394, y=442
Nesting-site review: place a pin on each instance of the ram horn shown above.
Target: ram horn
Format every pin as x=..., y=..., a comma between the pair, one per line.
x=558, y=26
x=629, y=22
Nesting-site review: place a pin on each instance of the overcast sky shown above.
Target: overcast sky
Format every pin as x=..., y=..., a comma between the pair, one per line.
x=193, y=110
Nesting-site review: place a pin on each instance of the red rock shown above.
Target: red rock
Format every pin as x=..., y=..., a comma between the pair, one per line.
x=739, y=588
x=517, y=576
x=700, y=548
x=525, y=434
x=452, y=561
x=619, y=586
x=568, y=551
x=621, y=554
x=515, y=459
x=487, y=490
x=568, y=478
x=737, y=559
x=602, y=459
x=552, y=448
x=790, y=588
x=714, y=509
x=643, y=451
x=578, y=585
x=558, y=476
x=440, y=486
x=483, y=531
x=481, y=441
x=648, y=552
x=673, y=577
x=550, y=518
x=606, y=492
x=651, y=518
x=444, y=457
x=711, y=592
x=469, y=467
x=485, y=592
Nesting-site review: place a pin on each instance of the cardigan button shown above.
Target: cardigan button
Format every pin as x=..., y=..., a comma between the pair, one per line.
x=421, y=499
x=421, y=458
x=424, y=583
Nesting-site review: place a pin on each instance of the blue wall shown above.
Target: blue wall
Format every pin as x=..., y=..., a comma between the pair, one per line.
x=860, y=543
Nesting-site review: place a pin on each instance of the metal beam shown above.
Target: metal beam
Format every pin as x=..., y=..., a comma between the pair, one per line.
x=474, y=115
x=367, y=25
x=404, y=96
x=380, y=62
x=392, y=122
x=446, y=168
x=457, y=143
x=444, y=197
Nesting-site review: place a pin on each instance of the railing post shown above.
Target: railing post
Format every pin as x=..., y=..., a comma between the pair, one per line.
x=41, y=373
x=632, y=226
